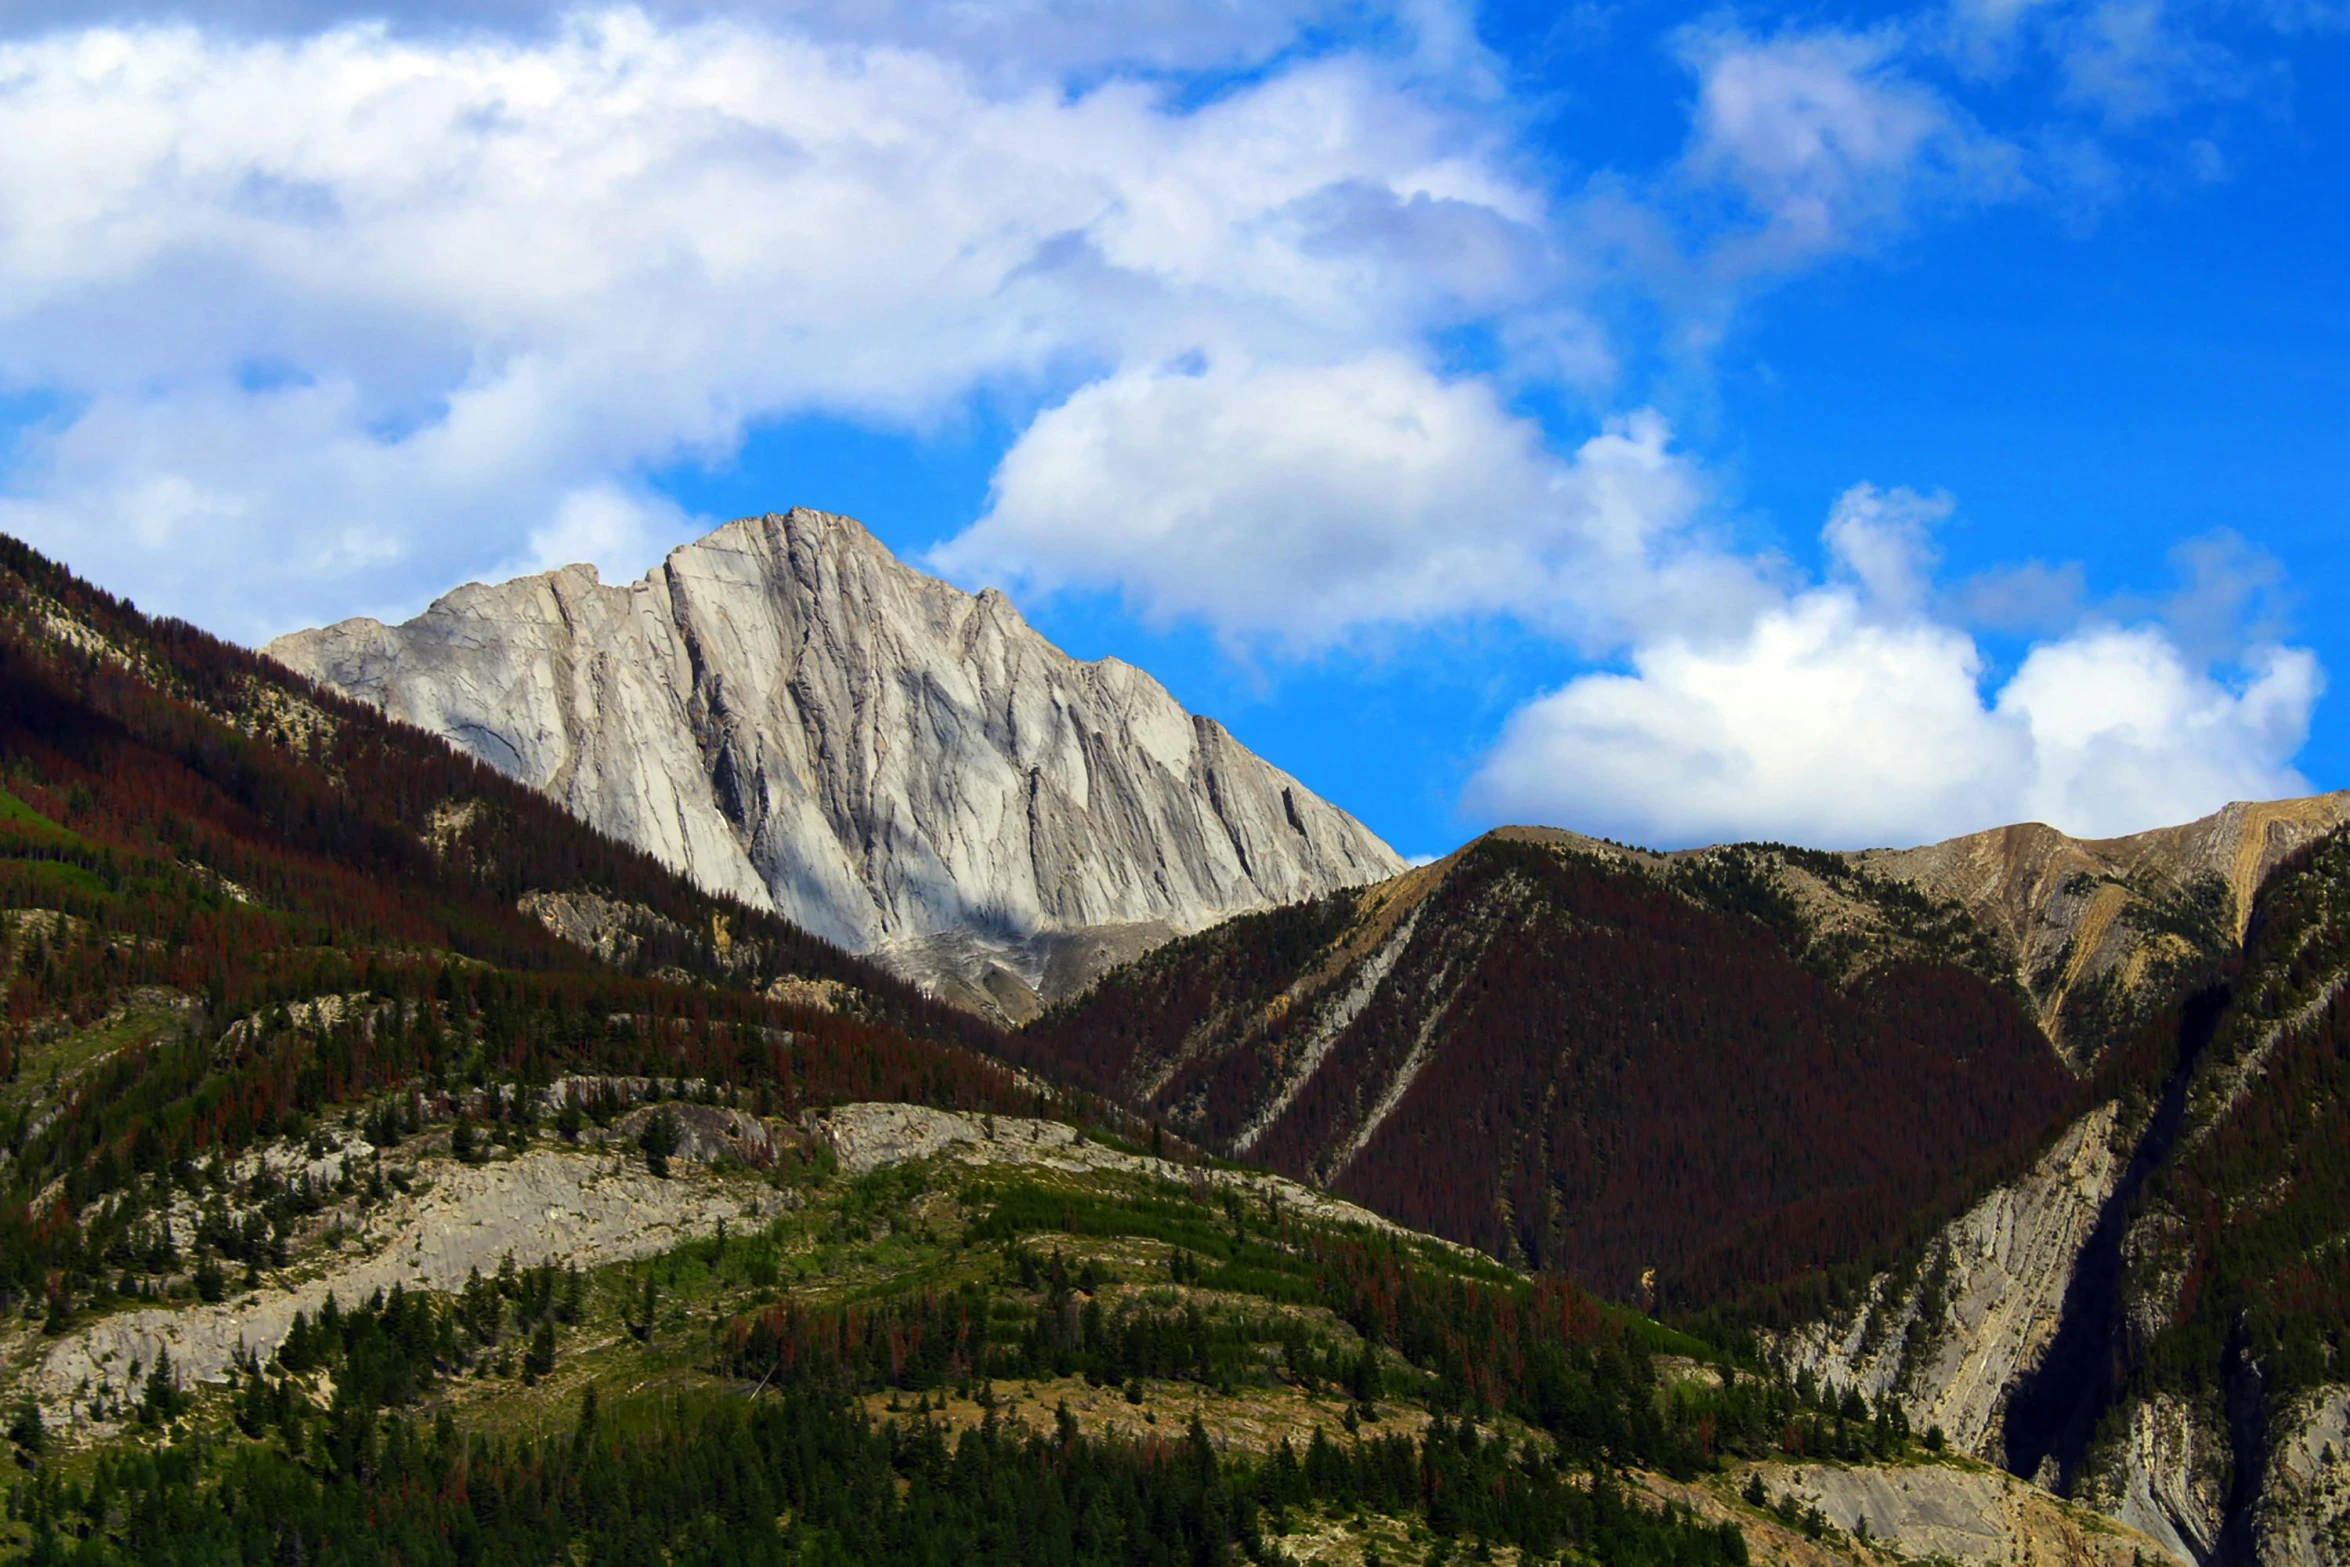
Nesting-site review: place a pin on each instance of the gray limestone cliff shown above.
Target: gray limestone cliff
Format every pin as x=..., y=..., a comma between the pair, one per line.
x=2304, y=1517
x=2166, y=1474
x=1950, y=1338
x=788, y=713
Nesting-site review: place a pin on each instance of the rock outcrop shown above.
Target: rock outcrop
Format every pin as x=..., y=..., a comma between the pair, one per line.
x=869, y=1137
x=2304, y=1516
x=1950, y=1338
x=1961, y=1513
x=789, y=714
x=1013, y=980
x=561, y=1205
x=2166, y=1476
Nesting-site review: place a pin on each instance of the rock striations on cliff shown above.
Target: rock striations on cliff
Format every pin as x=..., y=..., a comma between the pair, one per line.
x=788, y=713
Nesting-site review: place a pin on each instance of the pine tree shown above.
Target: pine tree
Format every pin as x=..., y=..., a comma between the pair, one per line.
x=659, y=1140
x=161, y=1399
x=27, y=1430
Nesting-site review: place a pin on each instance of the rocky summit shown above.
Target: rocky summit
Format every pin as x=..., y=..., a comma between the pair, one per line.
x=2101, y=929
x=788, y=713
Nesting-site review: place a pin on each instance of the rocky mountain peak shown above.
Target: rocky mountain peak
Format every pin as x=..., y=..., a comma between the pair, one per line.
x=2099, y=926
x=790, y=714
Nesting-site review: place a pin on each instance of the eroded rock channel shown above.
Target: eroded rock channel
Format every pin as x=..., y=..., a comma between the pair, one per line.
x=2055, y=1411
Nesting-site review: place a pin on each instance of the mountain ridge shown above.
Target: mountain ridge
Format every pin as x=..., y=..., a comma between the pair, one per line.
x=294, y=991
x=1579, y=1063
x=2093, y=930
x=2098, y=925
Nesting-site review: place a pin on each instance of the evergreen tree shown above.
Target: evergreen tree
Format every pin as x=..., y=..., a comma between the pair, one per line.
x=659, y=1140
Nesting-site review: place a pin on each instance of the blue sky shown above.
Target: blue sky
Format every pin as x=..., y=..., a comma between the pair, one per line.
x=1678, y=423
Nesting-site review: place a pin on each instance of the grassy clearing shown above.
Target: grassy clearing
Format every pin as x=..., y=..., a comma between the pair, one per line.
x=45, y=1062
x=21, y=822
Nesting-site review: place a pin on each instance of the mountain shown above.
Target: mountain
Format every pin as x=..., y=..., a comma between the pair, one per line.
x=790, y=715
x=2040, y=1142
x=229, y=901
x=2102, y=931
x=362, y=1111
x=1715, y=1070
x=393, y=1168
x=2152, y=1318
x=1670, y=1077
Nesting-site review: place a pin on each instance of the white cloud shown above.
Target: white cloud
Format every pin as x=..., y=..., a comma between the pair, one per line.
x=331, y=320
x=1296, y=505
x=1883, y=541
x=1032, y=38
x=2133, y=61
x=608, y=527
x=1845, y=716
x=1826, y=139
x=334, y=320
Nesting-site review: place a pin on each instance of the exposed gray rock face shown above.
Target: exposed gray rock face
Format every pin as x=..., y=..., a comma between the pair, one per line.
x=2167, y=1476
x=787, y=713
x=1957, y=1513
x=2304, y=1517
x=1012, y=981
x=1951, y=1341
x=613, y=932
x=565, y=1205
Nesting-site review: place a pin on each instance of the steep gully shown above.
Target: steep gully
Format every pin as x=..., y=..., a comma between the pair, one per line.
x=2055, y=1411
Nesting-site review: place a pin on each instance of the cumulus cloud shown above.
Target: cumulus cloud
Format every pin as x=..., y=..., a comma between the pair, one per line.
x=1847, y=715
x=1295, y=505
x=332, y=320
x=1883, y=541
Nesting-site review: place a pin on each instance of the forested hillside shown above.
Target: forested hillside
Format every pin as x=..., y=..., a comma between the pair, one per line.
x=943, y=1363
x=1684, y=1087
x=229, y=901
